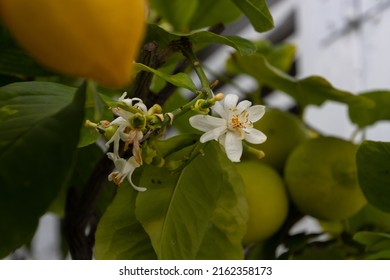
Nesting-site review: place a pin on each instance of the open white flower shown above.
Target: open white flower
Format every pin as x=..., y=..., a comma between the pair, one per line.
x=133, y=102
x=234, y=125
x=124, y=131
x=124, y=169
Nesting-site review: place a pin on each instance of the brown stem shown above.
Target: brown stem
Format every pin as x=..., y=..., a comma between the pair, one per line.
x=79, y=211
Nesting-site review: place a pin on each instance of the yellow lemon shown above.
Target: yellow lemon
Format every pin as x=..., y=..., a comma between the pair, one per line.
x=267, y=200
x=96, y=39
x=284, y=132
x=322, y=181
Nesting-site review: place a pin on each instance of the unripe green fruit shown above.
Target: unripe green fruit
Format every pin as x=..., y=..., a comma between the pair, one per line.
x=267, y=200
x=284, y=132
x=321, y=178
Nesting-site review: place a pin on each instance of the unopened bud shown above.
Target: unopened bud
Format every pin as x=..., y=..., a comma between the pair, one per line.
x=155, y=109
x=108, y=132
x=201, y=107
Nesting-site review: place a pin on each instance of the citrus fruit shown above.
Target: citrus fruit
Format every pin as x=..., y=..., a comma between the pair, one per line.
x=267, y=200
x=95, y=39
x=284, y=132
x=322, y=179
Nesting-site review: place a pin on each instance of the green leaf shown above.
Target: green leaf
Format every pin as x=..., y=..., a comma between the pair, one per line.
x=200, y=39
x=199, y=213
x=95, y=111
x=257, y=12
x=377, y=244
x=175, y=143
x=39, y=131
x=119, y=235
x=176, y=12
x=368, y=114
x=313, y=90
x=181, y=124
x=85, y=160
x=210, y=13
x=243, y=46
x=373, y=167
x=180, y=80
x=280, y=56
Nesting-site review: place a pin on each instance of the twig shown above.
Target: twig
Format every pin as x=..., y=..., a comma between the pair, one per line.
x=78, y=212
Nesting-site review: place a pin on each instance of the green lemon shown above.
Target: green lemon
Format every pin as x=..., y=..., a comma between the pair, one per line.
x=267, y=200
x=284, y=132
x=322, y=181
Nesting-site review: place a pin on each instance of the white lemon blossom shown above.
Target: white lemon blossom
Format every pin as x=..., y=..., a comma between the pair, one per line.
x=124, y=169
x=124, y=131
x=234, y=125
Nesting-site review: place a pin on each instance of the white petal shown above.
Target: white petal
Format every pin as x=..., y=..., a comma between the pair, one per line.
x=206, y=122
x=119, y=121
x=112, y=156
x=213, y=134
x=230, y=101
x=243, y=105
x=219, y=109
x=233, y=146
x=115, y=138
x=136, y=100
x=254, y=136
x=123, y=166
x=256, y=113
x=140, y=135
x=123, y=113
x=123, y=96
x=134, y=164
x=222, y=140
x=141, y=106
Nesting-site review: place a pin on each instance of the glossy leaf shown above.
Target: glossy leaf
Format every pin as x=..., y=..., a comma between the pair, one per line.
x=197, y=213
x=39, y=131
x=377, y=244
x=209, y=13
x=312, y=90
x=175, y=143
x=95, y=111
x=364, y=115
x=257, y=12
x=180, y=80
x=373, y=167
x=119, y=235
x=200, y=39
x=85, y=161
x=176, y=12
x=181, y=124
x=243, y=46
x=280, y=56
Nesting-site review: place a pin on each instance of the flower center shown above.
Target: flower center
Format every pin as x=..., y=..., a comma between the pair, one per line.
x=240, y=121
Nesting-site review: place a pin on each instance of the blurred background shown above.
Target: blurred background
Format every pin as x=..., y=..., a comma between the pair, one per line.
x=345, y=41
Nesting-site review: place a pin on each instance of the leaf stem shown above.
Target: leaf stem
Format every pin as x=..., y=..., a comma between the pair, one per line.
x=188, y=52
